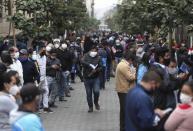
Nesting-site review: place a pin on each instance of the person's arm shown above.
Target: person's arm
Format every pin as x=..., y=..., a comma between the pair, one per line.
x=174, y=120
x=146, y=116
x=141, y=71
x=84, y=62
x=126, y=71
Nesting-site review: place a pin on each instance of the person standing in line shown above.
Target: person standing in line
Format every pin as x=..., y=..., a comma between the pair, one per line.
x=125, y=79
x=7, y=101
x=25, y=118
x=17, y=66
x=92, y=67
x=41, y=60
x=30, y=72
x=53, y=65
x=140, y=114
x=182, y=117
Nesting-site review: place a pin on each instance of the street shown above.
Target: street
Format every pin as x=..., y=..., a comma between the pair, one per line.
x=73, y=116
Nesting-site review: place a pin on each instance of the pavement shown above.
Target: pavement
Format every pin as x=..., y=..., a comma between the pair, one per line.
x=73, y=116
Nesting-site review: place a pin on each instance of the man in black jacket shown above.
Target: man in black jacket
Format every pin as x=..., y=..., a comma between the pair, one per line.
x=30, y=72
x=92, y=67
x=65, y=58
x=53, y=66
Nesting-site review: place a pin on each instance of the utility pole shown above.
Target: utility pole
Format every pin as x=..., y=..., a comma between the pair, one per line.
x=92, y=8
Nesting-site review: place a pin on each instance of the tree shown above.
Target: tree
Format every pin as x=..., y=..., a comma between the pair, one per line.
x=146, y=15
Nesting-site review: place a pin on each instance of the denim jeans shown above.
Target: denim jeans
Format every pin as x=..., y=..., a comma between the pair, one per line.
x=66, y=81
x=103, y=78
x=92, y=86
x=53, y=89
x=45, y=96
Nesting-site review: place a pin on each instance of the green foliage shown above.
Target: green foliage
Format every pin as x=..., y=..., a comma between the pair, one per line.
x=146, y=15
x=38, y=18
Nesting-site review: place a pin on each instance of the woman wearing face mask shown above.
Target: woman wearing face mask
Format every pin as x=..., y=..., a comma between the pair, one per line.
x=7, y=101
x=182, y=117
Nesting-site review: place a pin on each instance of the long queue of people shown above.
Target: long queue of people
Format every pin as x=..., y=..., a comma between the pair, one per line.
x=154, y=86
x=151, y=80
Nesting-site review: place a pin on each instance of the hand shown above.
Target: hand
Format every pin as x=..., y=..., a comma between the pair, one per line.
x=160, y=113
x=55, y=66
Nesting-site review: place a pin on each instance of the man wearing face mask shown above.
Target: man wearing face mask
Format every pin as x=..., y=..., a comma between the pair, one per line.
x=140, y=113
x=65, y=57
x=56, y=43
x=41, y=60
x=92, y=67
x=30, y=72
x=17, y=66
x=118, y=51
x=53, y=65
x=164, y=96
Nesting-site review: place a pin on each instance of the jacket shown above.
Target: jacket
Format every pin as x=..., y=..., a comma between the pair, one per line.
x=25, y=121
x=87, y=69
x=30, y=72
x=17, y=66
x=139, y=113
x=7, y=104
x=49, y=70
x=41, y=60
x=181, y=119
x=125, y=77
x=66, y=59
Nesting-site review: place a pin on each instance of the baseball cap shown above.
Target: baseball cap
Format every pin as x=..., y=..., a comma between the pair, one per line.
x=23, y=51
x=29, y=92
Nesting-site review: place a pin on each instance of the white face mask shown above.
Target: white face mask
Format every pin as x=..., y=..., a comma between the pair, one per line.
x=185, y=99
x=48, y=48
x=93, y=53
x=16, y=56
x=56, y=46
x=14, y=90
x=64, y=46
x=34, y=57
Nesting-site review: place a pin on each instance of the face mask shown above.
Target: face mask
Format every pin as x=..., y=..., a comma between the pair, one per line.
x=34, y=57
x=166, y=62
x=56, y=46
x=48, y=48
x=93, y=53
x=172, y=71
x=64, y=46
x=185, y=99
x=16, y=56
x=14, y=90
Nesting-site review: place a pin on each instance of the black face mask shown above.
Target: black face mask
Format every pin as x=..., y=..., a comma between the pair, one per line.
x=166, y=62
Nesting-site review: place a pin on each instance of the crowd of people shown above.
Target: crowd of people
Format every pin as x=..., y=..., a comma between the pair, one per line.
x=153, y=81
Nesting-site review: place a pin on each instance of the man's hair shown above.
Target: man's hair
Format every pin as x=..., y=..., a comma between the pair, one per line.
x=6, y=78
x=152, y=76
x=160, y=52
x=128, y=55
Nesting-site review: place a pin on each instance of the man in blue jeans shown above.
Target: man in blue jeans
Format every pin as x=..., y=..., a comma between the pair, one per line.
x=92, y=67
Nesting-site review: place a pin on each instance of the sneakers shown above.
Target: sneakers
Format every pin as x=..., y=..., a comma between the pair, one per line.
x=47, y=110
x=90, y=110
x=62, y=99
x=71, y=88
x=97, y=106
